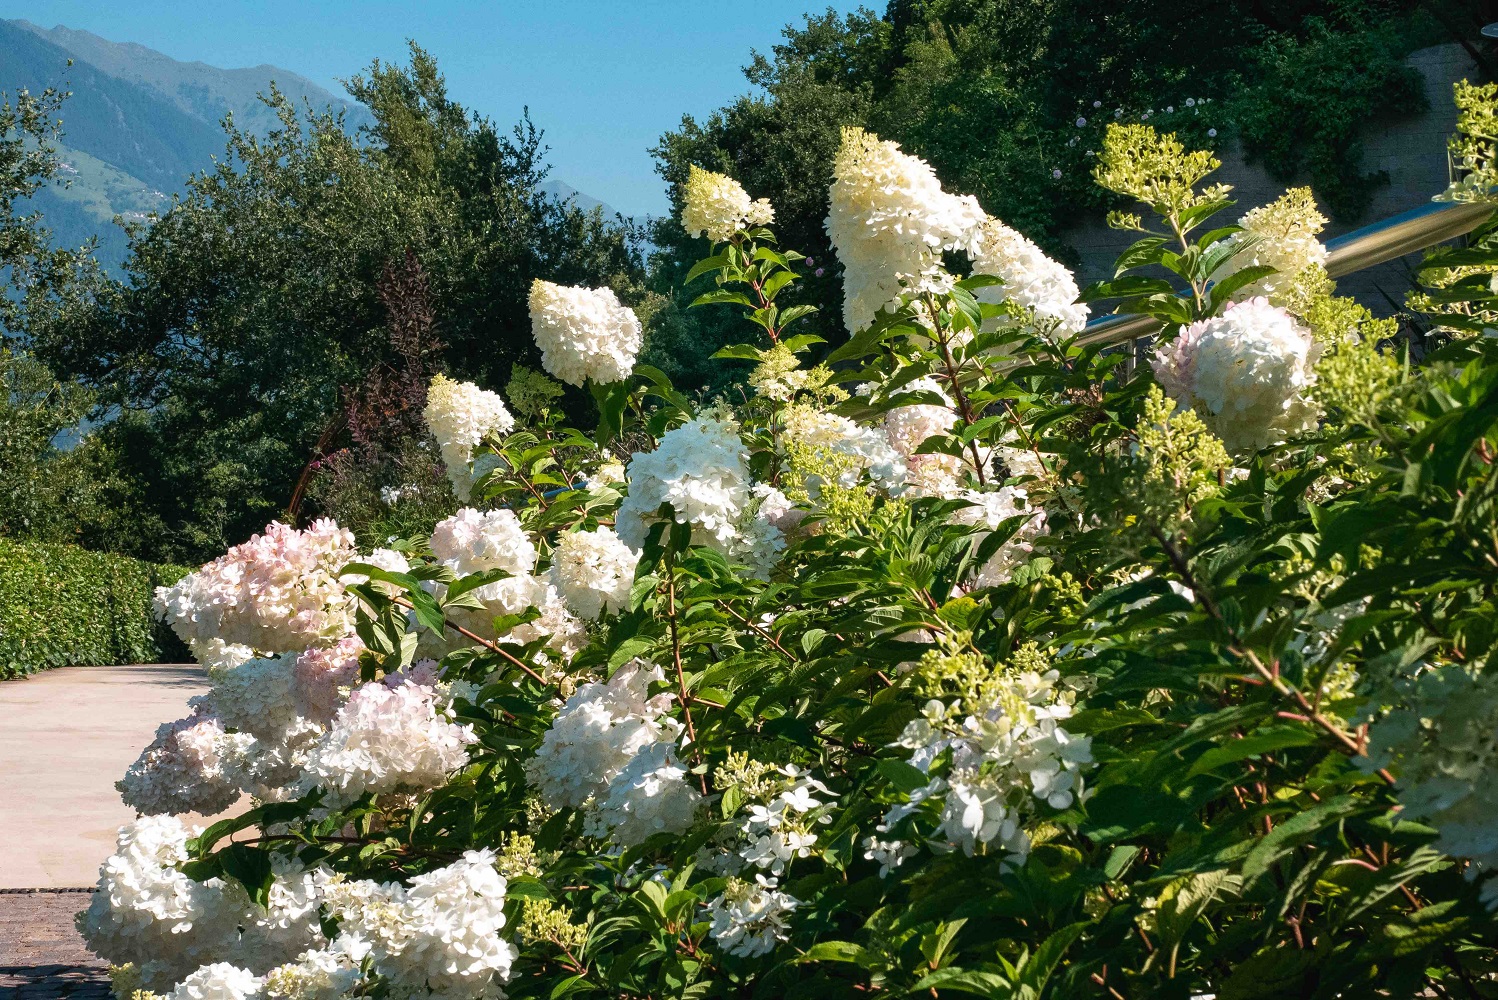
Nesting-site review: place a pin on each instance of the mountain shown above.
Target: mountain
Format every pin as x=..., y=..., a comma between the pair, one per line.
x=566, y=192
x=195, y=88
x=140, y=123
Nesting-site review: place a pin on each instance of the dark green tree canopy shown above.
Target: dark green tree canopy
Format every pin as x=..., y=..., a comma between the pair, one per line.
x=253, y=302
x=991, y=93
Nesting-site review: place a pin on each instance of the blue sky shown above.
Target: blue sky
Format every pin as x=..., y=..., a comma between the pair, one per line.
x=604, y=79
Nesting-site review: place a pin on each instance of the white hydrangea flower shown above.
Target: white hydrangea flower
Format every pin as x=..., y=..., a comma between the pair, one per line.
x=1281, y=235
x=563, y=631
x=652, y=794
x=887, y=854
x=1031, y=280
x=215, y=655
x=990, y=509
x=762, y=542
x=277, y=592
x=258, y=697
x=387, y=739
x=584, y=333
x=699, y=469
x=437, y=937
x=219, y=981
x=890, y=220
x=319, y=974
x=593, y=571
x=1018, y=461
x=869, y=447
x=908, y=427
x=472, y=541
x=778, y=831
x=146, y=912
x=750, y=918
x=976, y=813
x=1442, y=742
x=460, y=415
x=1008, y=757
x=717, y=206
x=608, y=473
x=1245, y=372
x=389, y=560
x=596, y=734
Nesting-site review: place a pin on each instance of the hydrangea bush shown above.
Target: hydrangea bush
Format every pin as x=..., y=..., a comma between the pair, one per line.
x=964, y=661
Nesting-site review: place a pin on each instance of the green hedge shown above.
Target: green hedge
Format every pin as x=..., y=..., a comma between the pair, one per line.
x=65, y=606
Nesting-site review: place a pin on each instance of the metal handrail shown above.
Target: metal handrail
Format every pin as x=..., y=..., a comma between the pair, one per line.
x=1358, y=250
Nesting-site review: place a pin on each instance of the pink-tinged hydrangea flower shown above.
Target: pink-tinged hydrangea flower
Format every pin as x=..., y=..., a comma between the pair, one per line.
x=776, y=509
x=908, y=427
x=1245, y=372
x=321, y=678
x=584, y=333
x=472, y=541
x=890, y=221
x=387, y=739
x=277, y=592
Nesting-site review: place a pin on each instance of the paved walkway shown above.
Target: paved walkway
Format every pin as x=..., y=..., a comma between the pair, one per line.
x=66, y=736
x=41, y=955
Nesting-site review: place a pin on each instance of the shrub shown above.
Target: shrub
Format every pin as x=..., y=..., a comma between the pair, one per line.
x=1005, y=674
x=62, y=606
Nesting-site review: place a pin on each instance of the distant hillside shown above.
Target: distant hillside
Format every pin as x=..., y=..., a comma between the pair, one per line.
x=197, y=89
x=121, y=123
x=566, y=192
x=140, y=123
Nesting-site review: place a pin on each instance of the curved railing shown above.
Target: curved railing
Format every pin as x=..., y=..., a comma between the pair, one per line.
x=1394, y=237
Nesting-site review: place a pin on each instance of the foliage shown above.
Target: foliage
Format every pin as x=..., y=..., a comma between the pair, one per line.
x=59, y=483
x=388, y=483
x=1309, y=100
x=1008, y=99
x=1064, y=699
x=248, y=305
x=62, y=606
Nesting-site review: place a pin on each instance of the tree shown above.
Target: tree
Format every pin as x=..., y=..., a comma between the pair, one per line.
x=1007, y=100
x=247, y=306
x=57, y=483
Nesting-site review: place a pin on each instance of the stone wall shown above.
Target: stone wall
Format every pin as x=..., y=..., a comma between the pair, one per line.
x=1411, y=149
